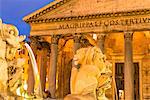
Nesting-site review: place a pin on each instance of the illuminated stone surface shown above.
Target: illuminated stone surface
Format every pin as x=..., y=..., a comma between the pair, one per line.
x=11, y=68
x=76, y=19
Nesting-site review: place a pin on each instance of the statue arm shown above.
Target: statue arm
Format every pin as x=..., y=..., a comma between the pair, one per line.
x=74, y=73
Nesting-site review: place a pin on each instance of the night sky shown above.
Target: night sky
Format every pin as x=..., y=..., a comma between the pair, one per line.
x=13, y=11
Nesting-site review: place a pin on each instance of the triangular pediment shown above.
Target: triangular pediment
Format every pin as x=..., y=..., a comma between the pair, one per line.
x=87, y=7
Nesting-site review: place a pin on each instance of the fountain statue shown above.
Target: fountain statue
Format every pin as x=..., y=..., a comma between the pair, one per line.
x=91, y=76
x=10, y=67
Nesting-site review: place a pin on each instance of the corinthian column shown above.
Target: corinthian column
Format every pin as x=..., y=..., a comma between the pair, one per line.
x=76, y=38
x=76, y=46
x=43, y=65
x=53, y=65
x=128, y=68
x=100, y=41
x=31, y=80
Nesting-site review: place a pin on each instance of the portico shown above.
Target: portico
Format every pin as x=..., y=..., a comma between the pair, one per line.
x=118, y=35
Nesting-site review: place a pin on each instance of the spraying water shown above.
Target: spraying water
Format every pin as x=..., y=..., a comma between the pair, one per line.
x=35, y=70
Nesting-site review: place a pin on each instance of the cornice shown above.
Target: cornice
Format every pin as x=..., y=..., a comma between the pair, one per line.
x=94, y=16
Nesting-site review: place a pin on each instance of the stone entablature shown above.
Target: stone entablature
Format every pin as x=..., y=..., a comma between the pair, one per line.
x=93, y=16
x=48, y=18
x=140, y=21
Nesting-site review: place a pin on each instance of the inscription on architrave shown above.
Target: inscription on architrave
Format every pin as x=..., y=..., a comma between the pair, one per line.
x=105, y=23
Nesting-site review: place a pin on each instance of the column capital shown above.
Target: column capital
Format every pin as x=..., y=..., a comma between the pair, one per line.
x=33, y=39
x=39, y=46
x=54, y=39
x=128, y=34
x=101, y=41
x=76, y=37
x=45, y=45
x=34, y=42
x=101, y=36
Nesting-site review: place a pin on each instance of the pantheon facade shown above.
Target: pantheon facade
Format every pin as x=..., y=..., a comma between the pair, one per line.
x=120, y=28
